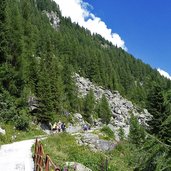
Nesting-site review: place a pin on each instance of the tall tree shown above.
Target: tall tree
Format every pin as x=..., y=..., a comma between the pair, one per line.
x=3, y=39
x=137, y=132
x=89, y=105
x=165, y=131
x=104, y=111
x=155, y=106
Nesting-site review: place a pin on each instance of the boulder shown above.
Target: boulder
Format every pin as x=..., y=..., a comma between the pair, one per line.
x=73, y=129
x=53, y=19
x=78, y=119
x=94, y=143
x=2, y=131
x=77, y=166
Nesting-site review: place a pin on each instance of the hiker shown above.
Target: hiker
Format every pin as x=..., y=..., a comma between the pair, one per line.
x=85, y=127
x=59, y=126
x=63, y=127
x=54, y=127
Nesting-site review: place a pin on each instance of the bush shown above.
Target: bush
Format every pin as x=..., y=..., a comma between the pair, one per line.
x=108, y=132
x=137, y=132
x=121, y=133
x=22, y=121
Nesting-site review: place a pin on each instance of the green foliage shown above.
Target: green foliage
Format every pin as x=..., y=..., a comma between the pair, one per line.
x=108, y=132
x=37, y=59
x=137, y=132
x=153, y=156
x=89, y=106
x=165, y=132
x=63, y=147
x=121, y=133
x=13, y=135
x=22, y=121
x=7, y=107
x=46, y=5
x=156, y=108
x=104, y=111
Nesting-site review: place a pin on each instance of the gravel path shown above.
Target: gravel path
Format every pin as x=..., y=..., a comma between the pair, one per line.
x=17, y=156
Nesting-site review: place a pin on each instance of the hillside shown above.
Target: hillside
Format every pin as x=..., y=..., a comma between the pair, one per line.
x=40, y=51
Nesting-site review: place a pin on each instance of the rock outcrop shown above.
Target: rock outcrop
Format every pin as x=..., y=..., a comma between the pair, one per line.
x=121, y=108
x=2, y=131
x=32, y=103
x=53, y=19
x=77, y=166
x=94, y=142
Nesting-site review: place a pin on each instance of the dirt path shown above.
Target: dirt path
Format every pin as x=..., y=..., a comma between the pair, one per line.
x=17, y=156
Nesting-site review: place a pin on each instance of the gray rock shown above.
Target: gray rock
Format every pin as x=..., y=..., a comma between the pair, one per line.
x=117, y=110
x=77, y=166
x=120, y=107
x=32, y=103
x=2, y=131
x=104, y=145
x=129, y=105
x=53, y=19
x=73, y=129
x=96, y=144
x=78, y=117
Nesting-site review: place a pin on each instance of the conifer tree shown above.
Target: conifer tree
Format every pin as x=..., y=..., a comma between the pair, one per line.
x=70, y=88
x=89, y=105
x=165, y=131
x=137, y=132
x=104, y=111
x=3, y=40
x=156, y=108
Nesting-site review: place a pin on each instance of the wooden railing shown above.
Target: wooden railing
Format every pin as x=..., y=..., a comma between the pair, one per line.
x=43, y=162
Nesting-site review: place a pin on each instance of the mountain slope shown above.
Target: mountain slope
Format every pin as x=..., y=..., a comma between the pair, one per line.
x=39, y=53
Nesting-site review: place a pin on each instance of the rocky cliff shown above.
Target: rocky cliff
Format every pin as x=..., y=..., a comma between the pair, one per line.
x=121, y=108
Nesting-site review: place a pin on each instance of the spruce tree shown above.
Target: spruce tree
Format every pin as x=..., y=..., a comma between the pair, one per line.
x=104, y=111
x=3, y=39
x=137, y=132
x=165, y=131
x=155, y=106
x=89, y=105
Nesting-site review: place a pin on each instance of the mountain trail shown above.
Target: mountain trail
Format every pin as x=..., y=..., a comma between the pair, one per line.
x=17, y=156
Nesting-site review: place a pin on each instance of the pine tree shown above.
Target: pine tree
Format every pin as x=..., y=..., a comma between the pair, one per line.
x=156, y=108
x=3, y=39
x=70, y=88
x=165, y=131
x=104, y=111
x=137, y=132
x=89, y=105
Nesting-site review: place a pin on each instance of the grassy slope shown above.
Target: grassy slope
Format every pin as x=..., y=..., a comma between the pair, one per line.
x=20, y=135
x=62, y=148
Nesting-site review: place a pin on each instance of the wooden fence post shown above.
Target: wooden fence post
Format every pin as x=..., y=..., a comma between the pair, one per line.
x=41, y=164
x=47, y=163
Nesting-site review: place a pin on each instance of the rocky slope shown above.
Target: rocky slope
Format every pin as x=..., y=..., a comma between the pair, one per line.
x=121, y=108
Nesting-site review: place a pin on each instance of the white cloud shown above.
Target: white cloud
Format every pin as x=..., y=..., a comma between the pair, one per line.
x=164, y=73
x=78, y=11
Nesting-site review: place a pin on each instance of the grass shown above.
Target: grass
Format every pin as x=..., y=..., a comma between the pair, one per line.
x=63, y=148
x=13, y=135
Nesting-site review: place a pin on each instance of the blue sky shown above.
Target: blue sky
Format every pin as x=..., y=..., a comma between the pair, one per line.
x=142, y=27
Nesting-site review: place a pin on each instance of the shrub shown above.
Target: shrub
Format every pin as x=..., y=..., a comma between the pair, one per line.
x=22, y=121
x=121, y=133
x=108, y=132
